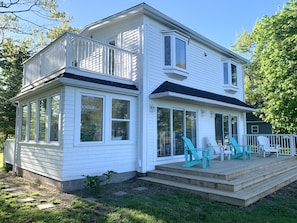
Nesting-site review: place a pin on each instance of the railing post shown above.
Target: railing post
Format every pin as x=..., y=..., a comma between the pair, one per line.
x=292, y=145
x=68, y=49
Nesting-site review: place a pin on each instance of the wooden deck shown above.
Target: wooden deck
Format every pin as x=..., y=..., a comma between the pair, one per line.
x=237, y=182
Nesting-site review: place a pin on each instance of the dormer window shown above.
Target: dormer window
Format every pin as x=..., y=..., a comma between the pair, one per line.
x=175, y=55
x=230, y=76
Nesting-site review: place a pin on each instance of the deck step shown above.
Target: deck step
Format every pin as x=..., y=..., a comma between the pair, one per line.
x=241, y=198
x=226, y=173
x=245, y=180
x=249, y=182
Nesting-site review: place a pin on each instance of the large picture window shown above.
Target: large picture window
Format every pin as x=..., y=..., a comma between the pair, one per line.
x=91, y=118
x=172, y=124
x=120, y=119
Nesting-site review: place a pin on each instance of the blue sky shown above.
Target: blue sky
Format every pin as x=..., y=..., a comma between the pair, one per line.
x=218, y=20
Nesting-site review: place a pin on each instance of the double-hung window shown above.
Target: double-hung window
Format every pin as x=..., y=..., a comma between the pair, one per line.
x=175, y=54
x=120, y=119
x=230, y=69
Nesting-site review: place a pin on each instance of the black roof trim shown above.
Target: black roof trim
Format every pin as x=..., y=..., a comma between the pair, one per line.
x=172, y=87
x=100, y=81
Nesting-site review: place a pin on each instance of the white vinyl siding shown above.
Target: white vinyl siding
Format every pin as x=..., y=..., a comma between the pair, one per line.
x=43, y=159
x=96, y=157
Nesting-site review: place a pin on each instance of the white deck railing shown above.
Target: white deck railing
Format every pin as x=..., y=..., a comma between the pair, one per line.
x=287, y=142
x=82, y=53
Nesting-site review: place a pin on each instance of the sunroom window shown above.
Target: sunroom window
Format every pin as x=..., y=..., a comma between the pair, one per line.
x=24, y=122
x=175, y=55
x=40, y=120
x=230, y=76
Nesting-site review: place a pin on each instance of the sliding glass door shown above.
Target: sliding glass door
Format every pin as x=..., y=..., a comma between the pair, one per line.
x=172, y=124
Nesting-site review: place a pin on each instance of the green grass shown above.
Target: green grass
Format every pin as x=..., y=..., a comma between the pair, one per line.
x=1, y=160
x=159, y=206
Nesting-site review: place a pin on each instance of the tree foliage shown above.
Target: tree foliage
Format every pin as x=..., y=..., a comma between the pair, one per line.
x=37, y=20
x=25, y=26
x=271, y=76
x=11, y=65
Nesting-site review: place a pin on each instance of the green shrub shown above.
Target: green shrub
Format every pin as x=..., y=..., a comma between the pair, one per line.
x=94, y=184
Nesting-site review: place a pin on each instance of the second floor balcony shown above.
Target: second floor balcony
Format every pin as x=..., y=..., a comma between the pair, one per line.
x=73, y=53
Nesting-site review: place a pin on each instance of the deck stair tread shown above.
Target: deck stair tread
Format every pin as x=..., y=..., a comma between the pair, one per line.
x=229, y=172
x=254, y=182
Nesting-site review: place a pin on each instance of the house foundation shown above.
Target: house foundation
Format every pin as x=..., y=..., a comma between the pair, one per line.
x=67, y=186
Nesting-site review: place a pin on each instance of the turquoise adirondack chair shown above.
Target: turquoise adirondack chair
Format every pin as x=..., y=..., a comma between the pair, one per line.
x=243, y=151
x=194, y=156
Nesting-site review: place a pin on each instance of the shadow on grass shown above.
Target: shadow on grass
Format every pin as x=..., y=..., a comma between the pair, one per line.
x=153, y=204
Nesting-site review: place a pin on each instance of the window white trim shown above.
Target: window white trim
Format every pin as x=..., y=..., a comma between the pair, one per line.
x=77, y=124
x=107, y=119
x=37, y=117
x=230, y=83
x=254, y=129
x=170, y=67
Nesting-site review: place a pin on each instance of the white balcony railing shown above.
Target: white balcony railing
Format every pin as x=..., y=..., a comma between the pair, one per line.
x=81, y=53
x=287, y=142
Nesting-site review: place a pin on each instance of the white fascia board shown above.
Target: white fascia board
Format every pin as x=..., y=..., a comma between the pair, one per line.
x=96, y=86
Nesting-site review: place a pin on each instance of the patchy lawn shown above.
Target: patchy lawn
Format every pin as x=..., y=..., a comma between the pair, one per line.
x=134, y=201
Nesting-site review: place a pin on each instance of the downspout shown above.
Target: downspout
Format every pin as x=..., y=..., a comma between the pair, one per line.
x=16, y=136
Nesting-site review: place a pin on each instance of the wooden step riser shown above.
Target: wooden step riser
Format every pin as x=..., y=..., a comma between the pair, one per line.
x=228, y=186
x=233, y=200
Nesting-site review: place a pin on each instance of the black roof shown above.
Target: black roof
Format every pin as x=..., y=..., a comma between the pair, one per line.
x=172, y=87
x=100, y=81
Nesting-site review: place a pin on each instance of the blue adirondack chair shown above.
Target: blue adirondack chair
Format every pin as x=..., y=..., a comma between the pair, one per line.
x=243, y=151
x=194, y=156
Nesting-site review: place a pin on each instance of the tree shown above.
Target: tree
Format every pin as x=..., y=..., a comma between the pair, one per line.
x=20, y=37
x=32, y=19
x=271, y=76
x=11, y=65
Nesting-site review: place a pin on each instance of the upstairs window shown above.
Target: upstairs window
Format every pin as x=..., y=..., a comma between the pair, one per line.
x=175, y=55
x=230, y=76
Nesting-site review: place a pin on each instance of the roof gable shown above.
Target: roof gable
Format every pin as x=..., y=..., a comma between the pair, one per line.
x=147, y=10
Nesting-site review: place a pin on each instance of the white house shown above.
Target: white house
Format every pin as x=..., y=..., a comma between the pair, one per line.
x=120, y=95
